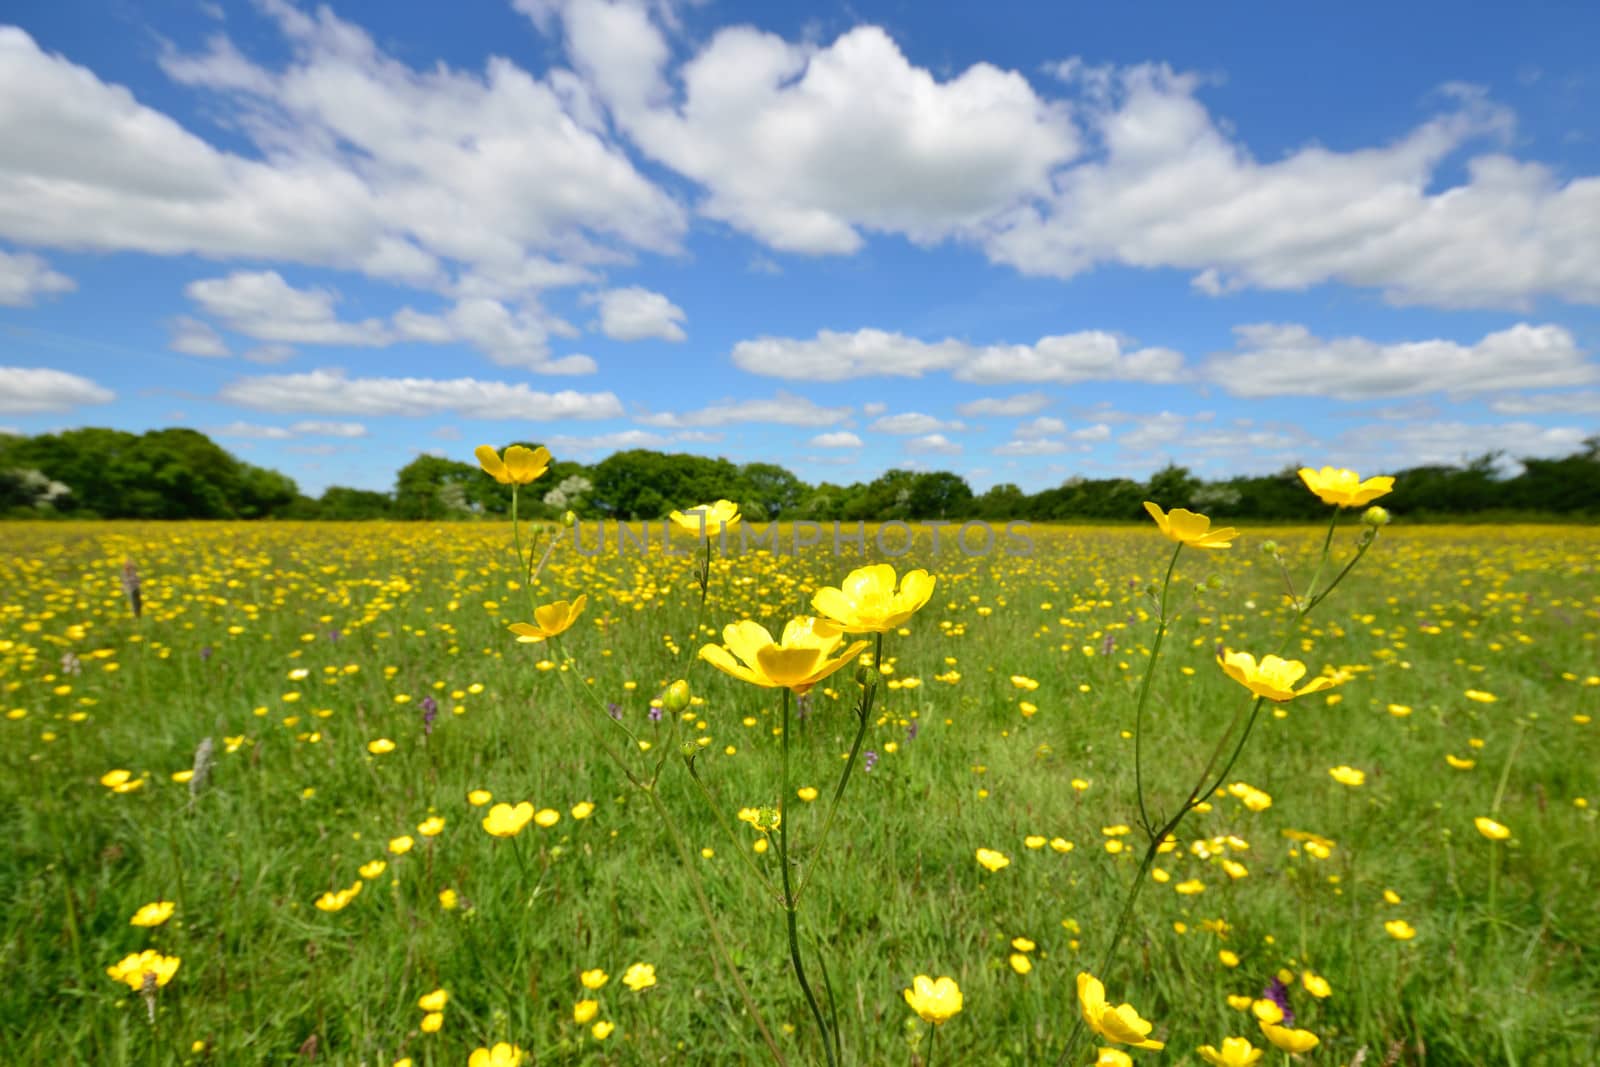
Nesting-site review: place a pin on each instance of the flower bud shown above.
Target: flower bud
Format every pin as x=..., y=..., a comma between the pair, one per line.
x=1376, y=516
x=866, y=676
x=1269, y=548
x=688, y=750
x=1214, y=582
x=677, y=696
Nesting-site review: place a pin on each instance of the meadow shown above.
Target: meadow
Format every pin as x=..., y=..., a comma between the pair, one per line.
x=328, y=866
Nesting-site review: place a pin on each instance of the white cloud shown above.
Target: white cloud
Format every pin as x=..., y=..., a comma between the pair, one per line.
x=195, y=338
x=1287, y=360
x=606, y=442
x=805, y=146
x=1061, y=359
x=912, y=422
x=259, y=432
x=1007, y=406
x=933, y=443
x=837, y=439
x=1170, y=186
x=1038, y=446
x=635, y=314
x=873, y=408
x=357, y=161
x=1393, y=446
x=25, y=277
x=270, y=353
x=262, y=305
x=784, y=409
x=1043, y=437
x=330, y=392
x=35, y=390
x=1573, y=403
x=1043, y=426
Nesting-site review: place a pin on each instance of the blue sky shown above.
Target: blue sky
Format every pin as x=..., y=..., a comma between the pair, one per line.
x=1018, y=241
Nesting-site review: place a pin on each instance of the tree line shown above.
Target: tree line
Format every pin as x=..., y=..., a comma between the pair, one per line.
x=183, y=474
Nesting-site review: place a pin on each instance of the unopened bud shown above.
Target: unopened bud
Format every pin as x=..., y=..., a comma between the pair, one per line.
x=1376, y=516
x=569, y=518
x=688, y=750
x=677, y=696
x=1214, y=582
x=1269, y=548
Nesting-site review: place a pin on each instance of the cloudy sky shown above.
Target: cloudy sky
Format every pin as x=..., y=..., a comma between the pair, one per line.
x=1016, y=240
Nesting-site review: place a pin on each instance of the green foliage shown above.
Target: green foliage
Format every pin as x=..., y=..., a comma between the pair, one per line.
x=179, y=473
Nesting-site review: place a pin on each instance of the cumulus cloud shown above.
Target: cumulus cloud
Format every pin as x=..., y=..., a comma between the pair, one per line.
x=635, y=314
x=1391, y=446
x=195, y=338
x=25, y=277
x=1288, y=360
x=331, y=392
x=936, y=443
x=306, y=428
x=912, y=422
x=805, y=146
x=262, y=305
x=784, y=409
x=1007, y=406
x=1089, y=355
x=1585, y=402
x=1168, y=185
x=837, y=439
x=1049, y=436
x=37, y=390
x=359, y=162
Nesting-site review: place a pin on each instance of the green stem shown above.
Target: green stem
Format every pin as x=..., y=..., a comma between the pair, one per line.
x=863, y=717
x=790, y=906
x=933, y=1039
x=1144, y=696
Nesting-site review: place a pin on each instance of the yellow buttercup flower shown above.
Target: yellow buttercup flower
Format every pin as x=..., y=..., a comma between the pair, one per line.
x=708, y=519
x=991, y=860
x=1120, y=1024
x=1273, y=678
x=1290, y=1040
x=1235, y=1052
x=501, y=1055
x=1400, y=930
x=1316, y=985
x=1344, y=488
x=339, y=899
x=1347, y=775
x=153, y=914
x=504, y=820
x=934, y=1002
x=131, y=970
x=594, y=979
x=1492, y=830
x=584, y=1010
x=520, y=466
x=549, y=620
x=434, y=1001
x=1112, y=1057
x=866, y=602
x=371, y=870
x=639, y=976
x=806, y=655
x=1188, y=528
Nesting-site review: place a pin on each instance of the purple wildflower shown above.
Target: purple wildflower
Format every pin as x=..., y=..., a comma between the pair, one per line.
x=205, y=652
x=133, y=588
x=655, y=712
x=911, y=731
x=1278, y=993
x=869, y=761
x=1109, y=645
x=430, y=711
x=614, y=708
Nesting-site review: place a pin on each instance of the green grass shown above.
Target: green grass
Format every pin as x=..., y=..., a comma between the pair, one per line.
x=1430, y=614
